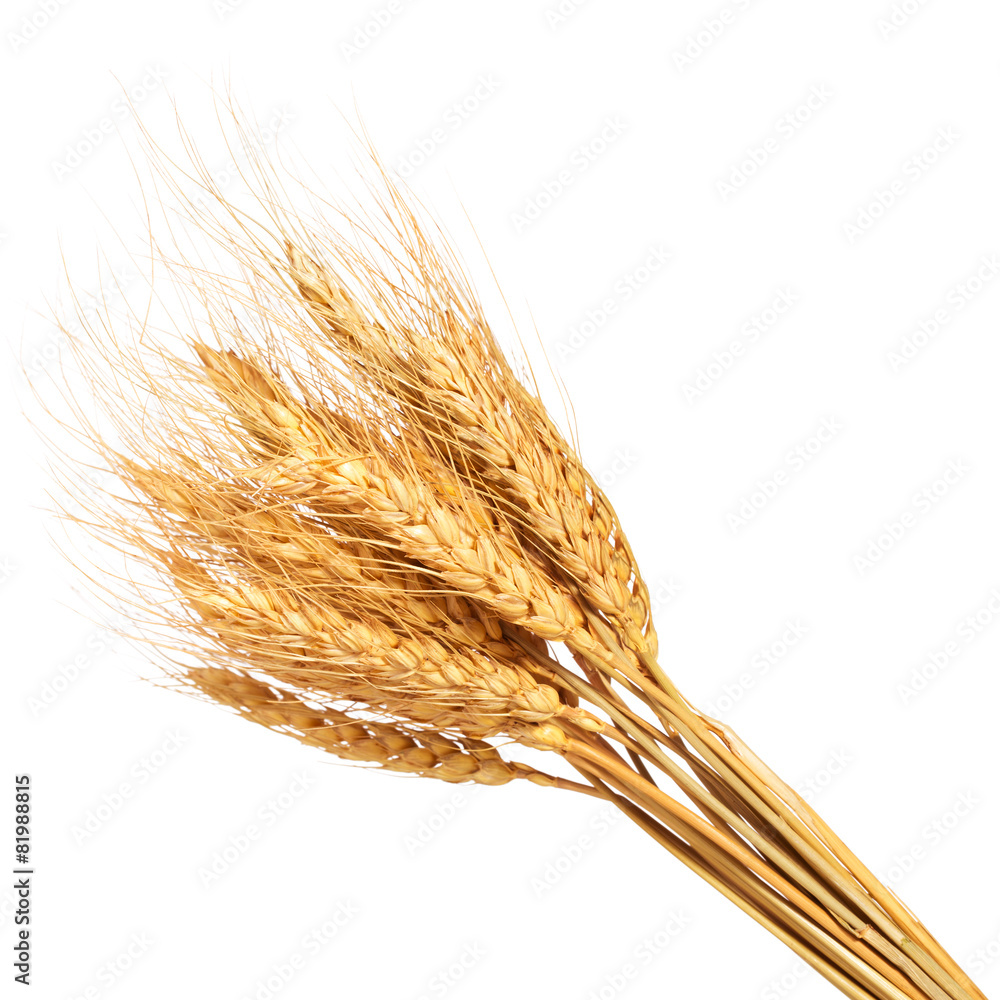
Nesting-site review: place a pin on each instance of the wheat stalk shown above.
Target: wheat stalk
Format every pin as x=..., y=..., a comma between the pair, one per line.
x=368, y=533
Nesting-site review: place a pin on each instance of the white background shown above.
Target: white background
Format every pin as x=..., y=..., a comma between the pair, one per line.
x=830, y=715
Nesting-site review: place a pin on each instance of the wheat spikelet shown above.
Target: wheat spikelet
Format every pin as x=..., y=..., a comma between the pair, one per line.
x=388, y=745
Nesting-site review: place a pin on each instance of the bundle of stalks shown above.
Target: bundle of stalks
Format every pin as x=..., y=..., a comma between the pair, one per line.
x=369, y=534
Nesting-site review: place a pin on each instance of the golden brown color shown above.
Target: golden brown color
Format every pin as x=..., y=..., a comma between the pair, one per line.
x=368, y=534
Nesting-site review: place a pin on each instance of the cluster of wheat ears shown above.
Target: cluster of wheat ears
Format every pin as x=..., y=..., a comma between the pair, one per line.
x=367, y=533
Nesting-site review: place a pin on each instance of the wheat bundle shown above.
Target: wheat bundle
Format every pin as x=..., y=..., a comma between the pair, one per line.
x=369, y=534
